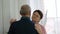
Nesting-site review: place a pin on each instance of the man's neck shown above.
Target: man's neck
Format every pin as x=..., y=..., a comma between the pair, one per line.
x=26, y=15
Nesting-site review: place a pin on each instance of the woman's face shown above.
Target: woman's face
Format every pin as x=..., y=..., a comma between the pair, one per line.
x=36, y=17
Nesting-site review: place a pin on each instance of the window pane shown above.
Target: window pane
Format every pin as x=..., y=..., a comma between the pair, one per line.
x=57, y=27
x=50, y=7
x=58, y=8
x=50, y=26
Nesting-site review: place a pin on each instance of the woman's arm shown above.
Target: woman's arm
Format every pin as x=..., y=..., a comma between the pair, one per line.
x=12, y=20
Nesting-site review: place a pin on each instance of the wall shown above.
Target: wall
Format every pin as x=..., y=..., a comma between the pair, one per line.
x=6, y=15
x=1, y=24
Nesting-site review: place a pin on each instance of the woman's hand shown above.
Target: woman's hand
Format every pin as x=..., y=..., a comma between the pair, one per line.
x=38, y=28
x=12, y=20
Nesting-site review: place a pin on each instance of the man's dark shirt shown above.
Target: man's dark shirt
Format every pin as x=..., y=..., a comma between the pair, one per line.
x=23, y=26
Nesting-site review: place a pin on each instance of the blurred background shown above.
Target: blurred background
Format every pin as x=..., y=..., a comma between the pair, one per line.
x=50, y=8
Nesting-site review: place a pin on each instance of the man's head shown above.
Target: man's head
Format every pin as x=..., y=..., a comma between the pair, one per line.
x=25, y=10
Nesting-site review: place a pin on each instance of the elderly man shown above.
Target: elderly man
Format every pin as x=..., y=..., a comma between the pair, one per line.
x=25, y=25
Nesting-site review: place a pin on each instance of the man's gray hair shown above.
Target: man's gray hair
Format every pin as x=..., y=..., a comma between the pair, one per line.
x=25, y=9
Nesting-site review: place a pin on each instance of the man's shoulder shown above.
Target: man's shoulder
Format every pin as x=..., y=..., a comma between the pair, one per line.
x=15, y=23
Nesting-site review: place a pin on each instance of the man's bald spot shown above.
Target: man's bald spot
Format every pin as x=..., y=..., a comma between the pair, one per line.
x=25, y=9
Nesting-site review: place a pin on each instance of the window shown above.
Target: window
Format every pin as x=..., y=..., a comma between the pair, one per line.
x=53, y=16
x=58, y=7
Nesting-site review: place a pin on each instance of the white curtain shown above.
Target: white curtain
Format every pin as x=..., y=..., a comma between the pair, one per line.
x=53, y=16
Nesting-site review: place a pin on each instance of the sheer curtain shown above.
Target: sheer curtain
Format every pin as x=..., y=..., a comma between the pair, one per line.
x=53, y=17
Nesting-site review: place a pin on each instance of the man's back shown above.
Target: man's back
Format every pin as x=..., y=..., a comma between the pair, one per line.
x=23, y=26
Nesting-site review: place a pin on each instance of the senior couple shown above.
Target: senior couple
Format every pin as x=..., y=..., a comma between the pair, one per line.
x=25, y=25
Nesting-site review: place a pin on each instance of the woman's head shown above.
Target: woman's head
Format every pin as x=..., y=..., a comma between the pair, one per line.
x=37, y=16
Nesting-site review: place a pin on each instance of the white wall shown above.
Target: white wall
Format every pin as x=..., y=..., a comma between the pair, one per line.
x=6, y=15
x=1, y=24
x=10, y=10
